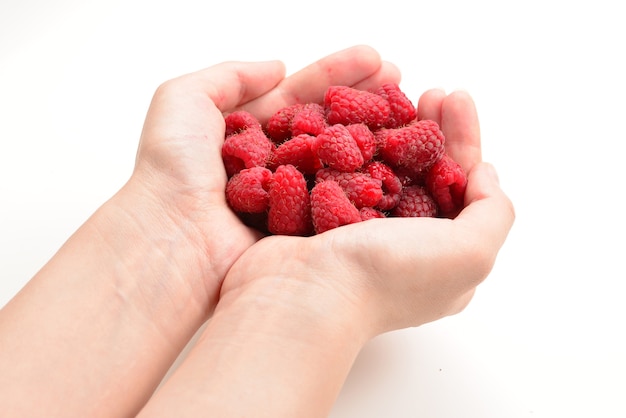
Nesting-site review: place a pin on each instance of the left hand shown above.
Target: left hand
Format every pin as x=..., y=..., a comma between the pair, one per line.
x=179, y=166
x=96, y=329
x=295, y=311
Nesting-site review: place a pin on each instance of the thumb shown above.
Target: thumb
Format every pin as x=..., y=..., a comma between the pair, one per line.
x=184, y=129
x=191, y=106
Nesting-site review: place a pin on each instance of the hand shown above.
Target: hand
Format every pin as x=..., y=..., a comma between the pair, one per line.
x=294, y=312
x=399, y=272
x=97, y=328
x=179, y=165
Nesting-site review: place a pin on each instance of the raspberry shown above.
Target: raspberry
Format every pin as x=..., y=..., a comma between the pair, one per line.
x=297, y=151
x=239, y=121
x=278, y=126
x=370, y=213
x=408, y=177
x=310, y=119
x=347, y=105
x=360, y=188
x=392, y=187
x=330, y=207
x=415, y=202
x=357, y=156
x=338, y=149
x=402, y=109
x=289, y=203
x=246, y=191
x=446, y=181
x=246, y=149
x=364, y=138
x=416, y=146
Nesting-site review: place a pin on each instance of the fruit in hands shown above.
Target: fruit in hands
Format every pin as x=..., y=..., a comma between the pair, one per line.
x=357, y=155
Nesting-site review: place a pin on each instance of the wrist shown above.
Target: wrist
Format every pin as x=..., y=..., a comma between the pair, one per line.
x=156, y=253
x=300, y=275
x=111, y=298
x=290, y=308
x=270, y=337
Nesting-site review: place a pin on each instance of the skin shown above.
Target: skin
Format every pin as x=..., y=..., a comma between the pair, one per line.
x=97, y=328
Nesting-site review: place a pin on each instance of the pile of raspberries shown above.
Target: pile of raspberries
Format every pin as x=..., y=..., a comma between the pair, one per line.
x=357, y=155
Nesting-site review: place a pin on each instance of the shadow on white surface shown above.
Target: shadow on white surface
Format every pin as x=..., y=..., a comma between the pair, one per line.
x=419, y=373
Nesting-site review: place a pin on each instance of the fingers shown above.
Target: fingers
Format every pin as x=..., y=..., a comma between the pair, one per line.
x=358, y=66
x=261, y=88
x=456, y=115
x=232, y=84
x=489, y=213
x=459, y=123
x=184, y=105
x=429, y=105
x=387, y=73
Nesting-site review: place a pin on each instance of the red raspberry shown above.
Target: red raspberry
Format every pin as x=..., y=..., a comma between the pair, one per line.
x=361, y=189
x=392, y=187
x=347, y=105
x=289, y=203
x=415, y=146
x=246, y=149
x=446, y=181
x=355, y=156
x=415, y=202
x=402, y=109
x=310, y=119
x=297, y=151
x=330, y=207
x=278, y=126
x=246, y=191
x=370, y=213
x=239, y=121
x=338, y=149
x=364, y=138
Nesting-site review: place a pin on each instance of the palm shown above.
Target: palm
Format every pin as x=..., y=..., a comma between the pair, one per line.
x=179, y=158
x=371, y=256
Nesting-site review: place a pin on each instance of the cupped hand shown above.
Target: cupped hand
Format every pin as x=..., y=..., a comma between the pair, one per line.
x=386, y=274
x=293, y=312
x=179, y=167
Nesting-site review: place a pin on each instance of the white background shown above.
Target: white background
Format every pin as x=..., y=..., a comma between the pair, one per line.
x=544, y=336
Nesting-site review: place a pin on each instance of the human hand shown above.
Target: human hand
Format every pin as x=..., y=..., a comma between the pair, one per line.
x=96, y=329
x=295, y=311
x=400, y=272
x=179, y=166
